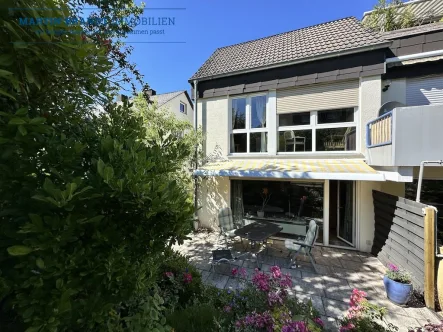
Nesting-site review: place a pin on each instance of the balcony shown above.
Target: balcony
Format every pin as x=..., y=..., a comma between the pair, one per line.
x=405, y=136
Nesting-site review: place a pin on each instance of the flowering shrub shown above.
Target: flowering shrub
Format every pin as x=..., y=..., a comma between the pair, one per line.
x=363, y=316
x=394, y=273
x=270, y=309
x=428, y=328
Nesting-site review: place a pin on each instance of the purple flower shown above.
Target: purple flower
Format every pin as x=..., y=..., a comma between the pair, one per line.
x=275, y=272
x=393, y=267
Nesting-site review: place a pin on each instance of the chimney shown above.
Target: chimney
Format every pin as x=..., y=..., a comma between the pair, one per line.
x=151, y=92
x=121, y=98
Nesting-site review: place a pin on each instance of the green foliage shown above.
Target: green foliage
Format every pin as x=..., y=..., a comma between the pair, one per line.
x=88, y=200
x=176, y=292
x=387, y=16
x=196, y=318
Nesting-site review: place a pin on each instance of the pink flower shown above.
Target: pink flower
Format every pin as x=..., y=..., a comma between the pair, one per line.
x=261, y=281
x=357, y=297
x=347, y=327
x=275, y=272
x=169, y=274
x=393, y=267
x=187, y=278
x=234, y=272
x=319, y=321
x=286, y=281
x=243, y=273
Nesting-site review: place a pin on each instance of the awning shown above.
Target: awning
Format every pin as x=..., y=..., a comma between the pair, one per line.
x=324, y=169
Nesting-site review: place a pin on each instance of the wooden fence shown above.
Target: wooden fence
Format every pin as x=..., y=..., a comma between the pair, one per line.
x=405, y=235
x=399, y=234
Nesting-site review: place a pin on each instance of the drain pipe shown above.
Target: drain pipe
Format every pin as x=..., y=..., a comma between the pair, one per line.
x=196, y=221
x=420, y=175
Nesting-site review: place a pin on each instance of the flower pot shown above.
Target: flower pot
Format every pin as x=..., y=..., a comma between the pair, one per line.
x=396, y=291
x=196, y=224
x=260, y=214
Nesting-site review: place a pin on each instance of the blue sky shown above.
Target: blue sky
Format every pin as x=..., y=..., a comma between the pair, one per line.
x=204, y=25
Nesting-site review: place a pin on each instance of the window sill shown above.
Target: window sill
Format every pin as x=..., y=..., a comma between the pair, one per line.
x=299, y=155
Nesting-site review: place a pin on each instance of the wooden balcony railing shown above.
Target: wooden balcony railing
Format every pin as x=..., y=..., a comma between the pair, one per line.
x=379, y=131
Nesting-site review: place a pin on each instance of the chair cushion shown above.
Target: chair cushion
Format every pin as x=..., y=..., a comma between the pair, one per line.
x=231, y=233
x=290, y=245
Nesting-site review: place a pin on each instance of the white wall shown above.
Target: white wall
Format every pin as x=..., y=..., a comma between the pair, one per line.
x=365, y=209
x=174, y=106
x=214, y=194
x=369, y=103
x=212, y=115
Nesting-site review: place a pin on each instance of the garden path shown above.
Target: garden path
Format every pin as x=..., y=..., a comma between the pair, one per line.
x=329, y=288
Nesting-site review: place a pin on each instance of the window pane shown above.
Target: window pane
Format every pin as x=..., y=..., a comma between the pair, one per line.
x=258, y=142
x=334, y=116
x=336, y=139
x=238, y=143
x=295, y=141
x=258, y=112
x=239, y=113
x=294, y=119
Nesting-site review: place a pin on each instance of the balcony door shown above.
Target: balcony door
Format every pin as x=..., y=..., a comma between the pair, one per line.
x=345, y=212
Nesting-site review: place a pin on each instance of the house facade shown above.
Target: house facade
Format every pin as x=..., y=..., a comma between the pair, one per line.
x=299, y=121
x=178, y=102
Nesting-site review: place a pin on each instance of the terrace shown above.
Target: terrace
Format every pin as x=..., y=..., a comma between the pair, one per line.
x=338, y=271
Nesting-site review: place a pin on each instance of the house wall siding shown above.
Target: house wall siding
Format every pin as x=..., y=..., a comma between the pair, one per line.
x=174, y=106
x=369, y=104
x=214, y=194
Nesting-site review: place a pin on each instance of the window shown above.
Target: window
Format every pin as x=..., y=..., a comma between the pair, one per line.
x=318, y=131
x=183, y=108
x=248, y=127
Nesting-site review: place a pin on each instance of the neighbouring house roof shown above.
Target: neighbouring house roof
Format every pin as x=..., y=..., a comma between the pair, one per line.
x=344, y=35
x=163, y=98
x=431, y=9
x=413, y=31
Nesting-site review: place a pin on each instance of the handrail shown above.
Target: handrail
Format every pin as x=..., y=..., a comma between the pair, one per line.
x=379, y=131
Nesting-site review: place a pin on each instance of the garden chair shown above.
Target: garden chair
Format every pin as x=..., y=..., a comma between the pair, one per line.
x=221, y=256
x=303, y=245
x=226, y=224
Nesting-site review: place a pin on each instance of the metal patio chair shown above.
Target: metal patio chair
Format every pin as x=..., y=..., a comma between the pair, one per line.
x=226, y=224
x=304, y=245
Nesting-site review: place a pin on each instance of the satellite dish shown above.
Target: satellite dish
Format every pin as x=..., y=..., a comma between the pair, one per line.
x=389, y=106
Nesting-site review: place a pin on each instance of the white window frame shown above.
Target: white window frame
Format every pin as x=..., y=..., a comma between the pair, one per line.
x=185, y=108
x=248, y=130
x=314, y=126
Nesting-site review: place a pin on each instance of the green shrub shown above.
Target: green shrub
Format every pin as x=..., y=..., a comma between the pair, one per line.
x=195, y=318
x=175, y=289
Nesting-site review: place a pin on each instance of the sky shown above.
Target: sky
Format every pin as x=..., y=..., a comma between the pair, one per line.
x=168, y=55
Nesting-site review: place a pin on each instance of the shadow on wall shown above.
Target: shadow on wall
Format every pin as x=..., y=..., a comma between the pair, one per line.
x=213, y=196
x=204, y=124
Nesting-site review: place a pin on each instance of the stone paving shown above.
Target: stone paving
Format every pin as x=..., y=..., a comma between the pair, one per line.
x=337, y=272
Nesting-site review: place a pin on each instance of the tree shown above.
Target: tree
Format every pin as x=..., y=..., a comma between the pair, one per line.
x=88, y=200
x=387, y=16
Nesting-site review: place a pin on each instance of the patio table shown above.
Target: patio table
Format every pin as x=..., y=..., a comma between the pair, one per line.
x=258, y=232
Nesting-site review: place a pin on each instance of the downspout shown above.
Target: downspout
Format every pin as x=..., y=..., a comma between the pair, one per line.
x=420, y=175
x=195, y=157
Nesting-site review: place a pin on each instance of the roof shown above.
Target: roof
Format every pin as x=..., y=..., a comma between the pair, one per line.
x=420, y=8
x=344, y=35
x=163, y=98
x=413, y=31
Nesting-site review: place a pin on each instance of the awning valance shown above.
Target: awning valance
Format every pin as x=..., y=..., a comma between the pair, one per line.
x=321, y=169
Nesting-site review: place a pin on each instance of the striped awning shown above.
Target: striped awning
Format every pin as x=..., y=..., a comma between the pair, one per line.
x=327, y=169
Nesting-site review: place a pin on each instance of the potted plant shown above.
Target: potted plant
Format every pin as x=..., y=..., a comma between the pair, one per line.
x=266, y=196
x=398, y=284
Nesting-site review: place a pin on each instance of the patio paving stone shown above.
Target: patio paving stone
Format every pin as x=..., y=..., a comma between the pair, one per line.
x=217, y=280
x=317, y=301
x=337, y=272
x=335, y=308
x=331, y=324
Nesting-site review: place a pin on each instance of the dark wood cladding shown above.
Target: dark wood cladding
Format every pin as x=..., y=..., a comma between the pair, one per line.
x=426, y=42
x=399, y=234
x=415, y=70
x=327, y=70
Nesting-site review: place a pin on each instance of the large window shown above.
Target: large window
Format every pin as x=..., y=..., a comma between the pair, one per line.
x=318, y=131
x=248, y=127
